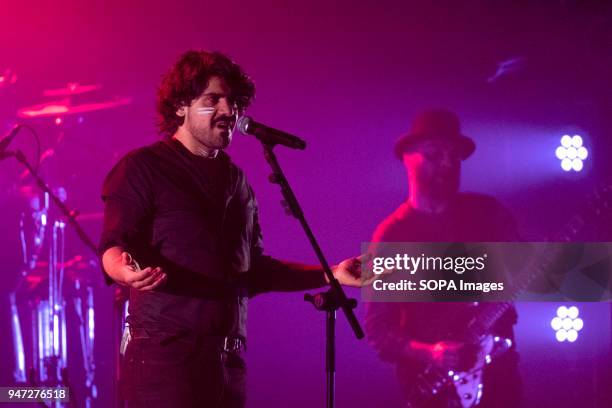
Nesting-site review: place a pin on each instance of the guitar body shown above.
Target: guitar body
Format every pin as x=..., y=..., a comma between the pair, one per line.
x=465, y=387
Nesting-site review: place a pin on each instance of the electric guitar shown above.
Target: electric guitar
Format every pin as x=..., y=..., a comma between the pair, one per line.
x=466, y=385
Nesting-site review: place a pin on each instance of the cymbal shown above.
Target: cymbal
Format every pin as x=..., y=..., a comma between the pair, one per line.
x=7, y=77
x=72, y=88
x=64, y=108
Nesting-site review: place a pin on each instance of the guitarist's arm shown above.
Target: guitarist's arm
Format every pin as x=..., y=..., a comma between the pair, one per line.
x=385, y=334
x=383, y=329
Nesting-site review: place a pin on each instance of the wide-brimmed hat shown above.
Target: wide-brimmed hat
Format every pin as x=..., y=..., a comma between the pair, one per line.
x=435, y=124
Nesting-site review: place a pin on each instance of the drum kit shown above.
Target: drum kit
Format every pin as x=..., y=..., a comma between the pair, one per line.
x=52, y=303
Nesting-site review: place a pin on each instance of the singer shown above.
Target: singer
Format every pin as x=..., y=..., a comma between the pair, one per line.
x=181, y=230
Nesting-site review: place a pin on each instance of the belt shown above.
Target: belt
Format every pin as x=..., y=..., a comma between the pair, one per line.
x=233, y=344
x=228, y=344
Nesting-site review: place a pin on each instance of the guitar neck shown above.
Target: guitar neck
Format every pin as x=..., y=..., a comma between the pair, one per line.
x=490, y=313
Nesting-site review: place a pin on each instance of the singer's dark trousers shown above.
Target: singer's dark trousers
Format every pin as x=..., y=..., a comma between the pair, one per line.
x=162, y=370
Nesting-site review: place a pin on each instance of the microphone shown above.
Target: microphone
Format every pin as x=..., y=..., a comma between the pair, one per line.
x=6, y=141
x=269, y=135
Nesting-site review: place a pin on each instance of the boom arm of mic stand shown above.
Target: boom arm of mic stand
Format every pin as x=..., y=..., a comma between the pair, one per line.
x=292, y=203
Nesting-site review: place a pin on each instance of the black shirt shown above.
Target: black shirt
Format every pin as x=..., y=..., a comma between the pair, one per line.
x=197, y=218
x=469, y=218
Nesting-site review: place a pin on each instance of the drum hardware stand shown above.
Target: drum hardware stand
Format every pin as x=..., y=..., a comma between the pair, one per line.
x=49, y=341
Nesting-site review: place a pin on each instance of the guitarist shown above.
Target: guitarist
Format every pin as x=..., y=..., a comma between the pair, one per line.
x=415, y=335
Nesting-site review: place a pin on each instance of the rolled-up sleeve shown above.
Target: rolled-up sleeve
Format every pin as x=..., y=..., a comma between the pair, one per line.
x=127, y=196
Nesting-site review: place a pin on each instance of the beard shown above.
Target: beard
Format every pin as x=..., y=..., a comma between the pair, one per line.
x=211, y=136
x=441, y=185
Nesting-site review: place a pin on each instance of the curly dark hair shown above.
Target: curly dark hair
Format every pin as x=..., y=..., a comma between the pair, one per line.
x=188, y=78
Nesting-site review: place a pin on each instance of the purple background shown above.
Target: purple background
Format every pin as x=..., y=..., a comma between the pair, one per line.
x=347, y=77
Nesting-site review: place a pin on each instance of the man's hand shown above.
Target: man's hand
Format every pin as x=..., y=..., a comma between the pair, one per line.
x=122, y=268
x=348, y=272
x=449, y=355
x=446, y=354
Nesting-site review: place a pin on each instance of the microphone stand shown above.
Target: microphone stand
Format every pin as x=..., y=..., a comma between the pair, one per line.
x=331, y=300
